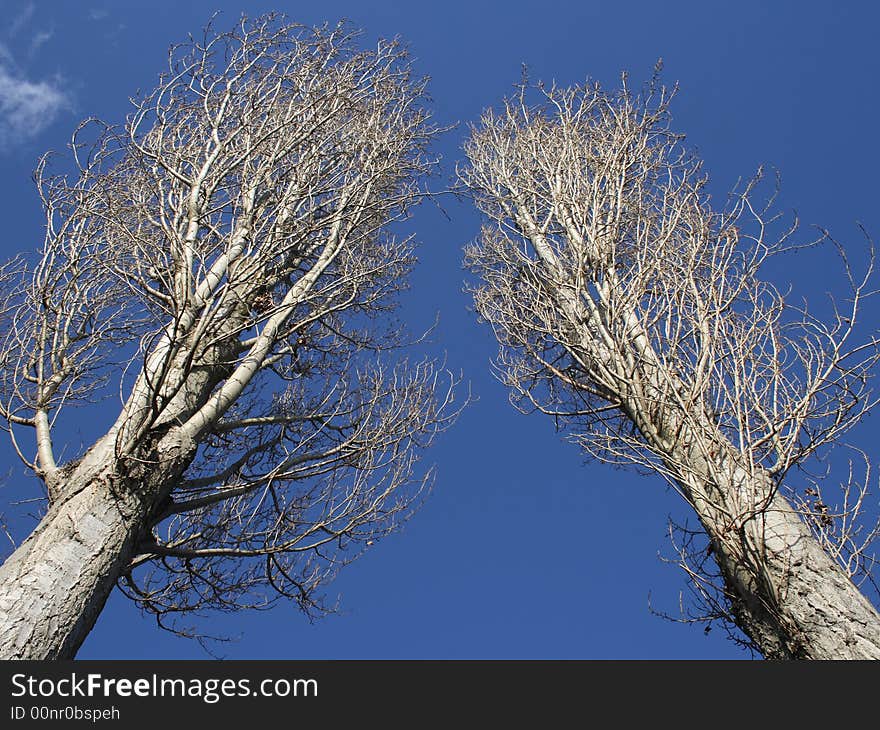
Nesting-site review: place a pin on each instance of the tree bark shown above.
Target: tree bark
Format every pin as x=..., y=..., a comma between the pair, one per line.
x=54, y=586
x=786, y=593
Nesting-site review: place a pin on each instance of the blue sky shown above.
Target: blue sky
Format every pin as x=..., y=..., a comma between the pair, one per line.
x=523, y=550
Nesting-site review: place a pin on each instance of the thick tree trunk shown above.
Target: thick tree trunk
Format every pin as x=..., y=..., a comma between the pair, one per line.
x=786, y=593
x=54, y=586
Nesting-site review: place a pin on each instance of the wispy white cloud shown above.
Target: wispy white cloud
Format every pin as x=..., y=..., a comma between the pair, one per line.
x=40, y=37
x=22, y=19
x=27, y=107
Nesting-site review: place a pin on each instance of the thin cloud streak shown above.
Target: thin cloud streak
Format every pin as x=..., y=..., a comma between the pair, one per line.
x=21, y=20
x=39, y=39
x=27, y=107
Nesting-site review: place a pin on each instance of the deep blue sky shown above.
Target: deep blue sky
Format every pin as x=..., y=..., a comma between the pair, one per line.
x=523, y=551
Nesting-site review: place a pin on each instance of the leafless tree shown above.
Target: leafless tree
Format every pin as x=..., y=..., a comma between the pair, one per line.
x=223, y=261
x=637, y=315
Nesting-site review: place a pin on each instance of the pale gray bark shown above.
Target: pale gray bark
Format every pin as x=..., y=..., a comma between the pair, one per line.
x=785, y=592
x=55, y=585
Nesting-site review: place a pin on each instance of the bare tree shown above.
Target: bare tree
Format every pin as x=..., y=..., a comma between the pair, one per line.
x=224, y=261
x=636, y=315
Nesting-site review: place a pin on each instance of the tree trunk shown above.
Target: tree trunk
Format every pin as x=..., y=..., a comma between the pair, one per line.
x=786, y=593
x=55, y=585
